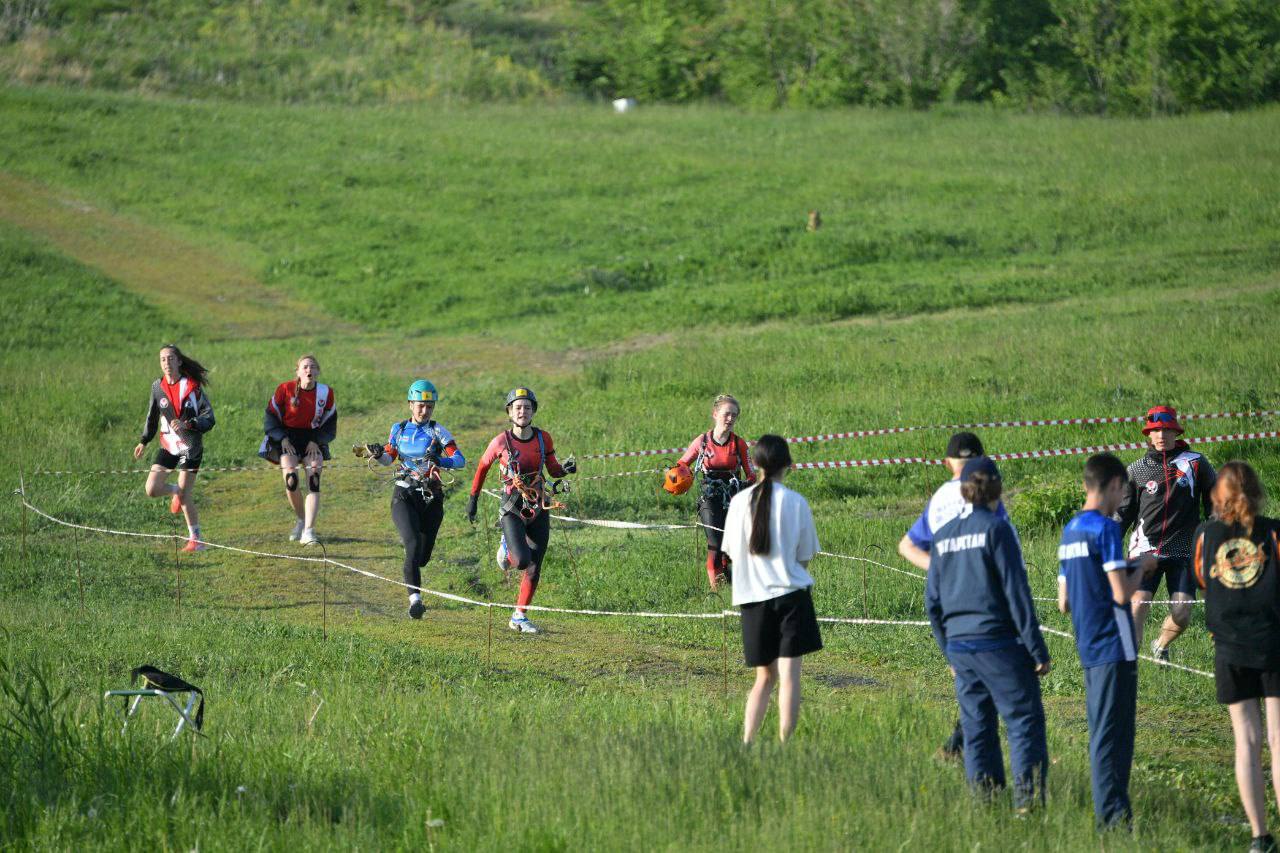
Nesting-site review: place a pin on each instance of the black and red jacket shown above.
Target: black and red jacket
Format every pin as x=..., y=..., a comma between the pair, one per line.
x=182, y=402
x=1167, y=496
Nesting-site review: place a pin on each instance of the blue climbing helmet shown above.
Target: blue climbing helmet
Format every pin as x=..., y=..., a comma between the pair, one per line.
x=521, y=394
x=423, y=391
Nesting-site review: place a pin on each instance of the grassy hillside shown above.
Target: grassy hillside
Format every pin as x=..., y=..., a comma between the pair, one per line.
x=1081, y=281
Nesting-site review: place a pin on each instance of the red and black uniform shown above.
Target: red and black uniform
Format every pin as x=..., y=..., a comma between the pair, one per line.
x=182, y=414
x=526, y=526
x=1239, y=571
x=302, y=416
x=719, y=464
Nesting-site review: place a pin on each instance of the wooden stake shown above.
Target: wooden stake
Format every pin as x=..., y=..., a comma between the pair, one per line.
x=864, y=590
x=488, y=651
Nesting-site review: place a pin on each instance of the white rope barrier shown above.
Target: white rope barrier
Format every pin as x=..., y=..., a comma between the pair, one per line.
x=448, y=596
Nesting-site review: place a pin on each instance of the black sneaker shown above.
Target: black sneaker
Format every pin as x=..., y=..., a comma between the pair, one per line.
x=1159, y=652
x=1263, y=844
x=416, y=609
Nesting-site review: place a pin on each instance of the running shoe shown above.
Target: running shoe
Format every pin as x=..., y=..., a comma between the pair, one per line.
x=296, y=532
x=194, y=545
x=416, y=609
x=520, y=622
x=175, y=503
x=308, y=537
x=1263, y=844
x=1159, y=652
x=501, y=556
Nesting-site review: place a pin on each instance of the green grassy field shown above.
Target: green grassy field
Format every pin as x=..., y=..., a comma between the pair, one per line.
x=973, y=266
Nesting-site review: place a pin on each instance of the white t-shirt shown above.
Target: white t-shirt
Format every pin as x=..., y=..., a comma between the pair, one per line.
x=760, y=577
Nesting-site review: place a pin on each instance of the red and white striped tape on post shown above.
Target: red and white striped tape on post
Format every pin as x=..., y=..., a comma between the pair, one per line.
x=868, y=433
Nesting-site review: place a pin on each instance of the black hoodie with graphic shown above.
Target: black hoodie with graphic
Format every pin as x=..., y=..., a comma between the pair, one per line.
x=1168, y=492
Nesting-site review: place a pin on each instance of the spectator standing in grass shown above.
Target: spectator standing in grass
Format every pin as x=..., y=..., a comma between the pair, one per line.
x=1095, y=584
x=718, y=454
x=945, y=505
x=181, y=414
x=420, y=447
x=983, y=617
x=1168, y=488
x=1237, y=564
x=770, y=537
x=300, y=422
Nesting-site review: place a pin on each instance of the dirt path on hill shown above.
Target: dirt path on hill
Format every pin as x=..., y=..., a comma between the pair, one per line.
x=178, y=275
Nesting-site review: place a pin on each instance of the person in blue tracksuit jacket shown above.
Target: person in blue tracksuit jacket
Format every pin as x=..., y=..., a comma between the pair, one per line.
x=984, y=619
x=1095, y=585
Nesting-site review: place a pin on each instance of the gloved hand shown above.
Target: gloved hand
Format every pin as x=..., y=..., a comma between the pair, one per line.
x=471, y=508
x=570, y=466
x=375, y=450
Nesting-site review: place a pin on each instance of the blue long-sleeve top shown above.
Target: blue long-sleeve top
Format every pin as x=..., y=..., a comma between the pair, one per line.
x=977, y=596
x=415, y=445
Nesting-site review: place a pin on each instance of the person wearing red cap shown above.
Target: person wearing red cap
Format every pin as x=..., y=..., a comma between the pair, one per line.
x=1168, y=494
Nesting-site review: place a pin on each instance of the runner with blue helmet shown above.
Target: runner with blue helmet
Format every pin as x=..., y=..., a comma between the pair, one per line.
x=420, y=447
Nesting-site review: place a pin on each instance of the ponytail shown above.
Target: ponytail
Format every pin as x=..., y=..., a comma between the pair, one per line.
x=771, y=457
x=188, y=367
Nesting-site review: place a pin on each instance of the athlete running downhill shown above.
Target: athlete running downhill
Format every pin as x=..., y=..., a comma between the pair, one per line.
x=182, y=414
x=719, y=454
x=300, y=422
x=420, y=447
x=522, y=453
x=1169, y=490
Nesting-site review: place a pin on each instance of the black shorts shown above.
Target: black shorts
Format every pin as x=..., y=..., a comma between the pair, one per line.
x=1238, y=683
x=271, y=451
x=168, y=461
x=782, y=627
x=1177, y=574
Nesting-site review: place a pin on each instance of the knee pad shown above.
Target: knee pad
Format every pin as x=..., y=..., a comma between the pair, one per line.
x=291, y=481
x=313, y=481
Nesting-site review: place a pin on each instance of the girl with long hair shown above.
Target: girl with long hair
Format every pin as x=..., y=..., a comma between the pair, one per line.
x=300, y=422
x=181, y=413
x=1237, y=565
x=770, y=537
x=719, y=455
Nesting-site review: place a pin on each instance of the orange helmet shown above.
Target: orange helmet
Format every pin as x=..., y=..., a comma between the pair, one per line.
x=678, y=479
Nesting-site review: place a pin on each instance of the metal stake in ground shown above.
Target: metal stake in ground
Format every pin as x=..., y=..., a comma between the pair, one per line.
x=75, y=535
x=177, y=564
x=724, y=635
x=324, y=593
x=488, y=649
x=22, y=492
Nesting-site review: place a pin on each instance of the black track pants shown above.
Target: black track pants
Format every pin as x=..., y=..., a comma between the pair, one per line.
x=417, y=521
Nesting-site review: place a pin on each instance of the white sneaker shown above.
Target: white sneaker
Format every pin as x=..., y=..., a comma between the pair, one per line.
x=520, y=622
x=308, y=537
x=501, y=556
x=296, y=532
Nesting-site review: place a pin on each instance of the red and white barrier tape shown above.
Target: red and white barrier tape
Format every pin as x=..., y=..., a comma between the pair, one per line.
x=1035, y=454
x=867, y=433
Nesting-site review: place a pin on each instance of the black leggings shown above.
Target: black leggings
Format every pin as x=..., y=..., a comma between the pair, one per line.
x=417, y=521
x=538, y=530
x=712, y=512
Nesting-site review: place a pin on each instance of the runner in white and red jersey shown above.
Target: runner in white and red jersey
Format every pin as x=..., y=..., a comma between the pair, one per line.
x=300, y=422
x=522, y=453
x=719, y=455
x=181, y=413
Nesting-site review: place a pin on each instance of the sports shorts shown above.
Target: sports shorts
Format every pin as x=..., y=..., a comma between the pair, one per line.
x=169, y=461
x=782, y=627
x=1177, y=574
